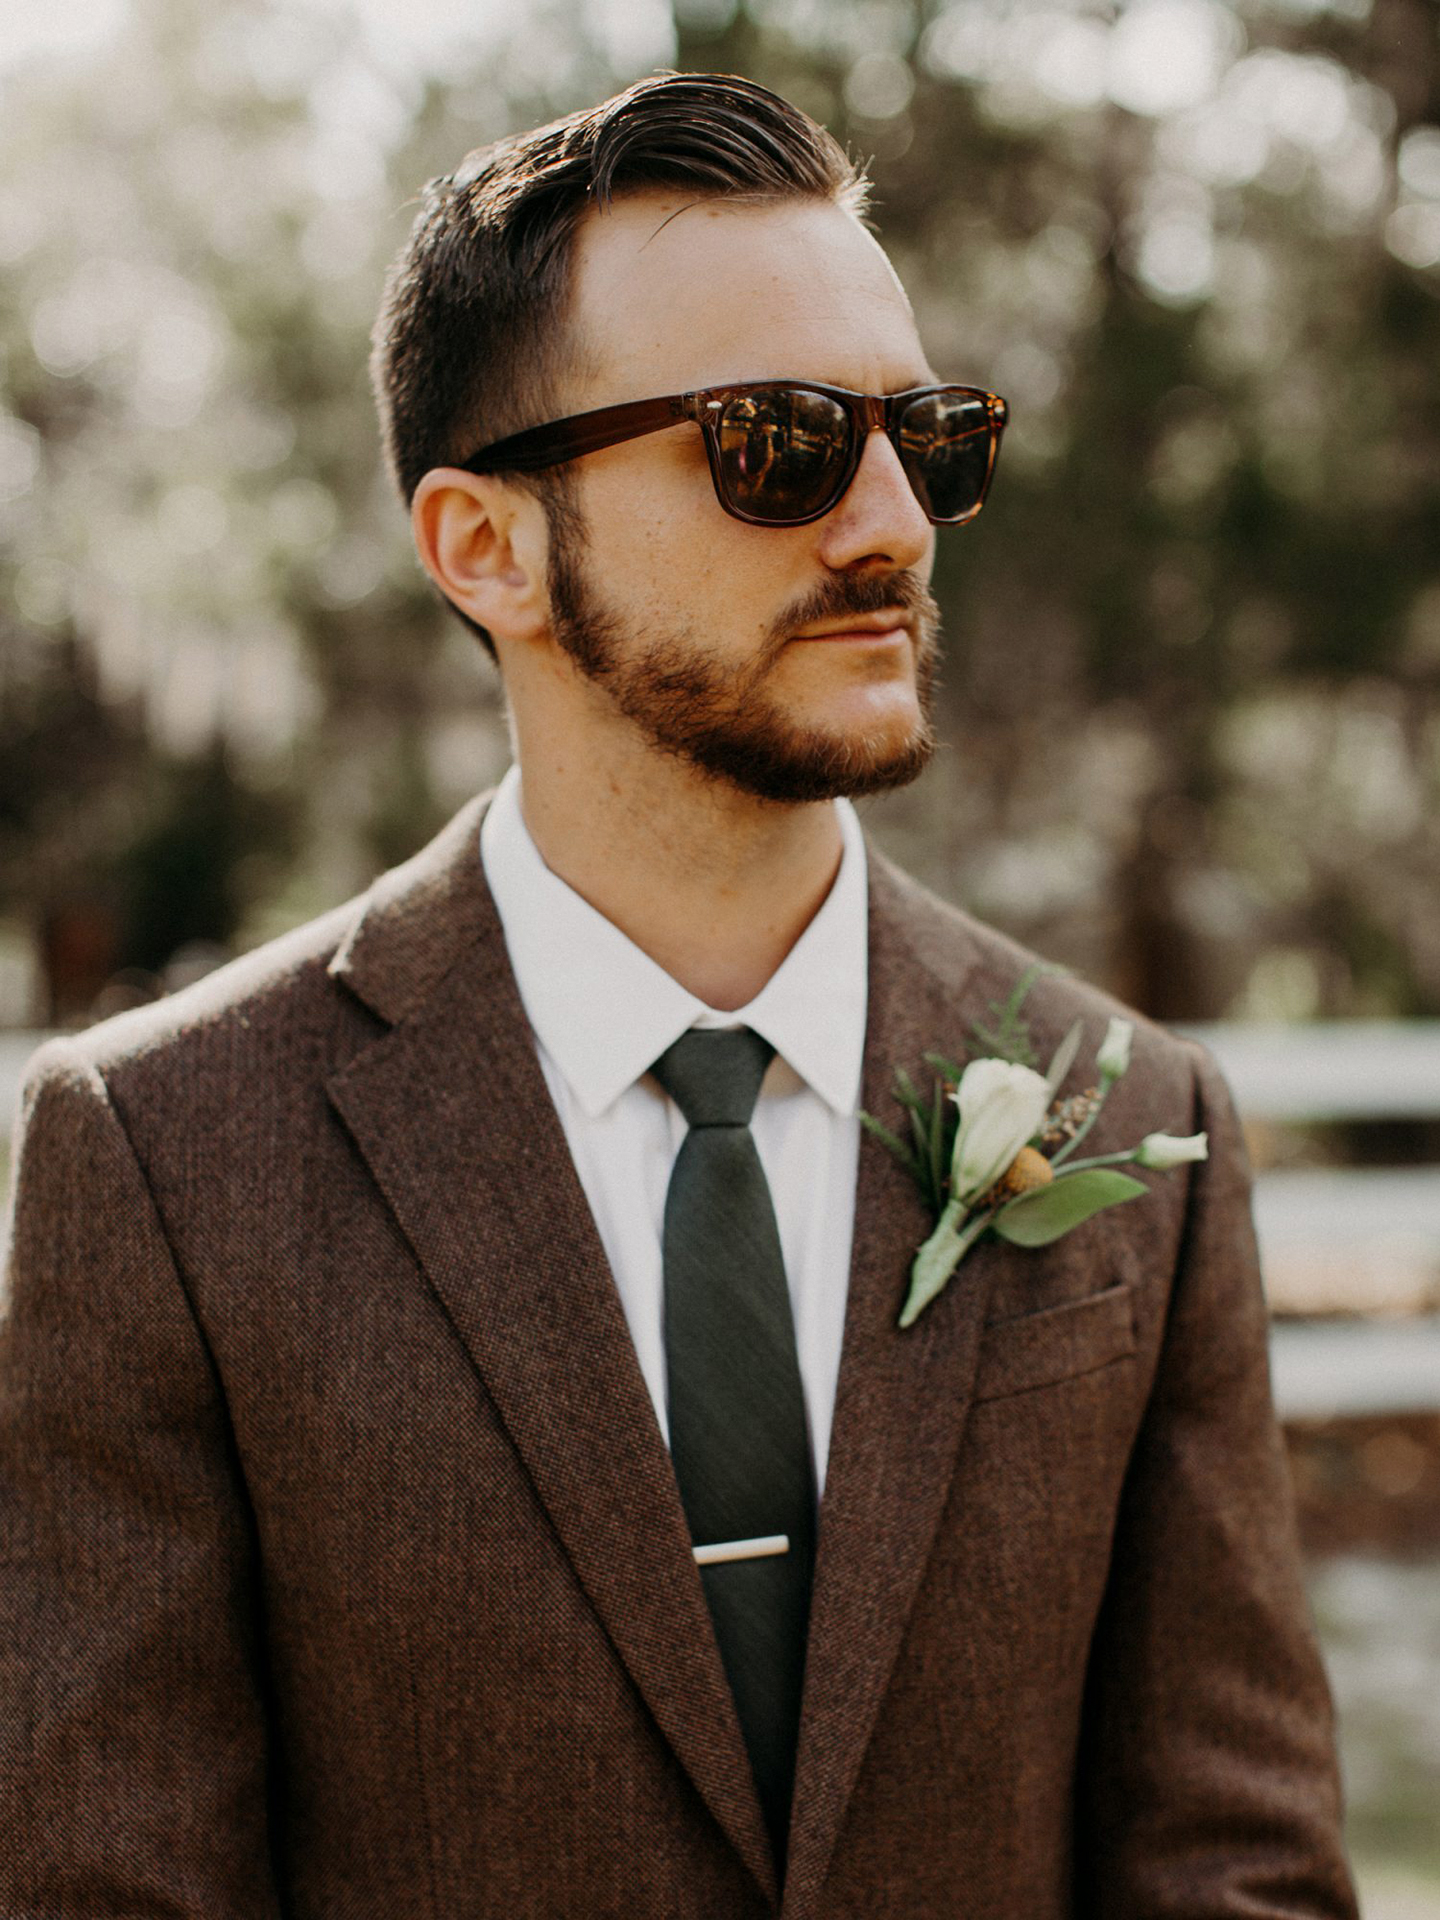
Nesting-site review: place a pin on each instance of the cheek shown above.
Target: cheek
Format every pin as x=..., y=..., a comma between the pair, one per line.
x=662, y=546
x=638, y=523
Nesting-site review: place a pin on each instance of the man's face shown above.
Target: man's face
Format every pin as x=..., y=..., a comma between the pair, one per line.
x=793, y=663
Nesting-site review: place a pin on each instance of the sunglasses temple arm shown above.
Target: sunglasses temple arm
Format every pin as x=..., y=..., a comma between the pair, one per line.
x=549, y=446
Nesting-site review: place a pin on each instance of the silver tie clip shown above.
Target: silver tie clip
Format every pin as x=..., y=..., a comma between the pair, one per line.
x=760, y=1549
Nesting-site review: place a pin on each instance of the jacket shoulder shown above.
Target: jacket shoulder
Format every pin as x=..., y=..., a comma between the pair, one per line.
x=283, y=982
x=283, y=1000
x=976, y=967
x=264, y=1031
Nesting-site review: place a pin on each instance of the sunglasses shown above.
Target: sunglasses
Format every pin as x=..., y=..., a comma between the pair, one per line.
x=782, y=452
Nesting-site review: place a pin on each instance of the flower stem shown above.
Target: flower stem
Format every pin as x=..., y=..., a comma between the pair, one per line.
x=1100, y=1160
x=941, y=1254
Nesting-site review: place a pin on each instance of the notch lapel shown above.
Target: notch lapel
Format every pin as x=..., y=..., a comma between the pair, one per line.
x=451, y=1112
x=901, y=1400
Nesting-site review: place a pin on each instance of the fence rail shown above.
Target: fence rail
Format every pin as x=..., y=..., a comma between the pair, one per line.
x=1329, y=1069
x=1343, y=1239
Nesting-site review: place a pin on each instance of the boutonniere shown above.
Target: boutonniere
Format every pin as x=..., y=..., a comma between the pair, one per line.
x=991, y=1149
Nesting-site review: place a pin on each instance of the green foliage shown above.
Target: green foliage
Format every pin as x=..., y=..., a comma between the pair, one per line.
x=1008, y=1038
x=181, y=878
x=1193, y=643
x=932, y=1125
x=1036, y=1218
x=934, y=1122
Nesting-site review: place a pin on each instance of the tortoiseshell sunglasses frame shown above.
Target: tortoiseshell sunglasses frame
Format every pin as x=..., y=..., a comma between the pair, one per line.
x=536, y=448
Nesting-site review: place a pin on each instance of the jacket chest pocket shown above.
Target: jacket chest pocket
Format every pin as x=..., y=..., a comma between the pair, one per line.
x=1060, y=1343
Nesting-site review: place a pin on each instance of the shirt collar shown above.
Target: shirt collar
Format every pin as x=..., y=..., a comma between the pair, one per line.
x=604, y=1010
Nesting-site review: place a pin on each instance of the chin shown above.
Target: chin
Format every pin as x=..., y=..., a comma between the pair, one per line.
x=776, y=759
x=886, y=714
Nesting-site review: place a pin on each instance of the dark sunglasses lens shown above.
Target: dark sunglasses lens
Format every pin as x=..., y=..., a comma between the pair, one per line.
x=782, y=452
x=945, y=449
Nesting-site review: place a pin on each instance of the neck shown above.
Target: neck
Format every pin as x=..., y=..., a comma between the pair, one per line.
x=715, y=885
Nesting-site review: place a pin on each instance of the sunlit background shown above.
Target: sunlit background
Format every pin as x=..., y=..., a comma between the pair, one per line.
x=1191, y=704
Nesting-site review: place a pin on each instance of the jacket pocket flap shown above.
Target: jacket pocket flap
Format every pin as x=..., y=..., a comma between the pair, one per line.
x=1063, y=1341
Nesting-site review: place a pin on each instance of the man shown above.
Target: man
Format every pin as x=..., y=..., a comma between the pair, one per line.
x=433, y=1337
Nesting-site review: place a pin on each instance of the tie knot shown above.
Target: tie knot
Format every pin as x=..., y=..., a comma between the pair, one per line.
x=714, y=1076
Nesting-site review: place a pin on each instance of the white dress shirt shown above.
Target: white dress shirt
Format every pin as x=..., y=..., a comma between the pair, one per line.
x=602, y=1011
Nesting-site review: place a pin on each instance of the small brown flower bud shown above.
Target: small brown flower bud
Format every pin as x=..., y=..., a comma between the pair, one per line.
x=1027, y=1170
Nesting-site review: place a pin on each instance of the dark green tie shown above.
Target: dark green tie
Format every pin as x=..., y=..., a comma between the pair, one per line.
x=737, y=1413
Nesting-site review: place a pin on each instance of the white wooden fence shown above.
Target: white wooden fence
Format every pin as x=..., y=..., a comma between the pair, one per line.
x=1361, y=1239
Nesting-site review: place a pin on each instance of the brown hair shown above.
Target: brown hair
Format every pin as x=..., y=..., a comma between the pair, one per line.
x=471, y=343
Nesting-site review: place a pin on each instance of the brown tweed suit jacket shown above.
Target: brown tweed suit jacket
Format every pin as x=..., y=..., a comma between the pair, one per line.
x=342, y=1570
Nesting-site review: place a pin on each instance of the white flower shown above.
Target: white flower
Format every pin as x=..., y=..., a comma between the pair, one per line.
x=1165, y=1150
x=1114, y=1055
x=1001, y=1105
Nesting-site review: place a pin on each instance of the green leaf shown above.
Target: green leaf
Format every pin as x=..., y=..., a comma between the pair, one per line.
x=937, y=1141
x=1042, y=1215
x=1064, y=1057
x=922, y=1145
x=906, y=1093
x=950, y=1070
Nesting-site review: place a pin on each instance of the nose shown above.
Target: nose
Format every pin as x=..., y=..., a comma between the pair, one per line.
x=878, y=519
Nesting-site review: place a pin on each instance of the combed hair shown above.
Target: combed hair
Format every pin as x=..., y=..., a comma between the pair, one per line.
x=471, y=341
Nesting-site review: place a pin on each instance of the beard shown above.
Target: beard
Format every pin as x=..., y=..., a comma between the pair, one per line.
x=725, y=723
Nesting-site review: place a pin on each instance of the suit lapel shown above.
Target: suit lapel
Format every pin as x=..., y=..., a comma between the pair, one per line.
x=901, y=1403
x=451, y=1112
x=498, y=1222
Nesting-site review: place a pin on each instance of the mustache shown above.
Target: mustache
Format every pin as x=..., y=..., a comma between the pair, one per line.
x=844, y=593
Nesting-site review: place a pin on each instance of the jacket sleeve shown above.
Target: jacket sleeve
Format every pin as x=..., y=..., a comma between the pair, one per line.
x=1207, y=1777
x=132, y=1736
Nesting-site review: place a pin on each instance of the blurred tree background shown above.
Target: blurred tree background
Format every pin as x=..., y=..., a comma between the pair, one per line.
x=1192, y=701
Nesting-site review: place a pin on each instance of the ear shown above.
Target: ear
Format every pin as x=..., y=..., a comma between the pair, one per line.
x=484, y=544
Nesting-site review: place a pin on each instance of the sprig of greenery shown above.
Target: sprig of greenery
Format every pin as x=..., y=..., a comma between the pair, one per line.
x=934, y=1122
x=933, y=1125
x=1042, y=1204
x=1009, y=1039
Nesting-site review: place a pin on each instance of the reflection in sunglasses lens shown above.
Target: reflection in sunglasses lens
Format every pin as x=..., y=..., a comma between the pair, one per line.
x=782, y=450
x=944, y=446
